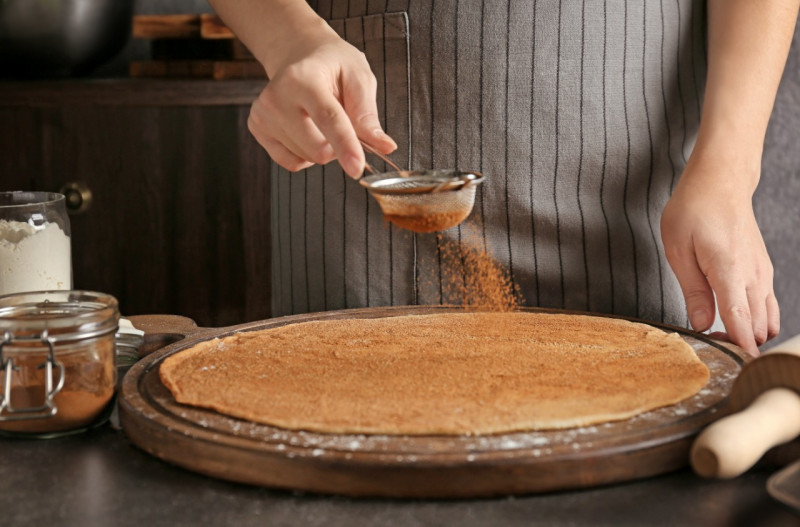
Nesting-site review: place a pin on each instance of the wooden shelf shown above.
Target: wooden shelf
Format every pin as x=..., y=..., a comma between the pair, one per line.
x=129, y=92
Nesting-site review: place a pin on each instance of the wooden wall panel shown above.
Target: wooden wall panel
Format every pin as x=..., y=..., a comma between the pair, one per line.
x=179, y=221
x=255, y=191
x=21, y=155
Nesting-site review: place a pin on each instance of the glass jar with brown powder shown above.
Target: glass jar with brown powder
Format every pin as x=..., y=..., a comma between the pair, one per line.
x=57, y=369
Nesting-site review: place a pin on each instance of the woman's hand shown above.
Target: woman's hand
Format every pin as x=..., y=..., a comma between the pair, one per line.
x=708, y=227
x=321, y=98
x=714, y=246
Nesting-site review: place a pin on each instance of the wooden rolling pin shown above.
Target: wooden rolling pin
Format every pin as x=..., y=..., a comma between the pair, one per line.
x=765, y=399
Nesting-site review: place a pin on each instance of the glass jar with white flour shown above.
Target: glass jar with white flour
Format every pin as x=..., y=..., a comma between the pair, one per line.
x=35, y=250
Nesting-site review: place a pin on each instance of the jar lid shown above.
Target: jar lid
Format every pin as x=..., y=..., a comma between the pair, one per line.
x=65, y=315
x=29, y=200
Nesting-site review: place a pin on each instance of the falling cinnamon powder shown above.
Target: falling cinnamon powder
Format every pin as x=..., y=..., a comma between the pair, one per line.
x=471, y=277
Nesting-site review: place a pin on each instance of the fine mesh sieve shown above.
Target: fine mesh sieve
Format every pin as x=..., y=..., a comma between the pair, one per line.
x=422, y=200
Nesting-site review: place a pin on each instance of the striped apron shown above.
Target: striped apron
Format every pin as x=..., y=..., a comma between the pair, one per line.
x=581, y=116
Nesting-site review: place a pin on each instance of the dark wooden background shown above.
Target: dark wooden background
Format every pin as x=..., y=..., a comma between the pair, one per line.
x=179, y=221
x=140, y=49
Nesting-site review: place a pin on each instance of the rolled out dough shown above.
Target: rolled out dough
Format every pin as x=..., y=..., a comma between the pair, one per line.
x=449, y=373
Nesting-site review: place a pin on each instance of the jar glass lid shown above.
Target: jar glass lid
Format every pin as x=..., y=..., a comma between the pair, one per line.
x=32, y=200
x=66, y=315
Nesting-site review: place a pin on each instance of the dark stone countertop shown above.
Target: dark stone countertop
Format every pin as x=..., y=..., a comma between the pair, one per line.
x=99, y=478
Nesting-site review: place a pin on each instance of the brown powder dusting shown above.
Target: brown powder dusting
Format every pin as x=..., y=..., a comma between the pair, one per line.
x=89, y=382
x=428, y=222
x=75, y=409
x=445, y=373
x=471, y=277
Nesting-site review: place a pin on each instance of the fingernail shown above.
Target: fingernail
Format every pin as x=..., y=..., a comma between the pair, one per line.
x=380, y=134
x=700, y=320
x=353, y=166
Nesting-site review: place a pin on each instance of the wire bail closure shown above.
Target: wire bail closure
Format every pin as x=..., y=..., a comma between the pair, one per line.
x=7, y=368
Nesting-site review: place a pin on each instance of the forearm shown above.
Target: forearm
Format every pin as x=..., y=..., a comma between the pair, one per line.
x=748, y=42
x=269, y=28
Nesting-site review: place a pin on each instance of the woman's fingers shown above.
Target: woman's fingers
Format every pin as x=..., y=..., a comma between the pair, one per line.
x=737, y=313
x=743, y=287
x=360, y=104
x=773, y=316
x=286, y=123
x=301, y=137
x=757, y=301
x=317, y=129
x=717, y=254
x=697, y=292
x=316, y=107
x=330, y=118
x=720, y=335
x=276, y=150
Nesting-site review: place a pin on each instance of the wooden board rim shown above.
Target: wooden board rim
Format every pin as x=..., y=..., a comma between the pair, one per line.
x=381, y=473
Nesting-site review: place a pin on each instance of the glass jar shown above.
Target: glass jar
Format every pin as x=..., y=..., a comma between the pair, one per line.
x=35, y=246
x=57, y=368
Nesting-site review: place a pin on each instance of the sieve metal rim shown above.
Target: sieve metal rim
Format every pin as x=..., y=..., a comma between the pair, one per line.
x=427, y=181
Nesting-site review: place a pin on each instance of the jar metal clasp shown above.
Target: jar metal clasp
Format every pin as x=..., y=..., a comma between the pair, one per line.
x=7, y=369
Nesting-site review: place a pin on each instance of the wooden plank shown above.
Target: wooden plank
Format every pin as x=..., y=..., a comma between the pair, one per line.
x=190, y=69
x=203, y=69
x=166, y=26
x=194, y=49
x=129, y=92
x=205, y=25
x=238, y=69
x=212, y=27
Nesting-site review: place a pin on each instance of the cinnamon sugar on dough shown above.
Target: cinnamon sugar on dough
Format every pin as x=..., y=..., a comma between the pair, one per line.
x=449, y=373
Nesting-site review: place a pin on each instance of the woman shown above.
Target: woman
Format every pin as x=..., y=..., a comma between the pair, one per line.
x=586, y=119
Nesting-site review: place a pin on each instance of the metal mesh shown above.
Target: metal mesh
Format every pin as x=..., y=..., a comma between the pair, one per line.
x=427, y=203
x=430, y=200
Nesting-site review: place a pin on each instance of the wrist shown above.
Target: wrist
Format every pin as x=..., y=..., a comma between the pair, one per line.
x=274, y=30
x=726, y=164
x=299, y=27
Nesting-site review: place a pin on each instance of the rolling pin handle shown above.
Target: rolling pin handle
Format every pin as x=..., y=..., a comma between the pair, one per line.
x=791, y=345
x=735, y=443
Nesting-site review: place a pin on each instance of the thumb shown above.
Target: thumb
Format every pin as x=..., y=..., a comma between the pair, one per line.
x=697, y=293
x=359, y=101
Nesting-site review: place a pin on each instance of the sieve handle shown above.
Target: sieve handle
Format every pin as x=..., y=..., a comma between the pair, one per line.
x=368, y=148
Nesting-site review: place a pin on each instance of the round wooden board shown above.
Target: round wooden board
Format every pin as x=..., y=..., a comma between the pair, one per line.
x=417, y=466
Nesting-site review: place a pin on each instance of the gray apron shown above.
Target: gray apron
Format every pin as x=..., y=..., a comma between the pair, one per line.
x=581, y=116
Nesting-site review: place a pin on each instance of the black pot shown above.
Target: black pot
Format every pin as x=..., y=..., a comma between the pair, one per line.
x=58, y=38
